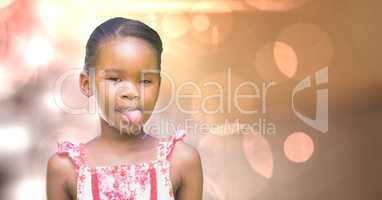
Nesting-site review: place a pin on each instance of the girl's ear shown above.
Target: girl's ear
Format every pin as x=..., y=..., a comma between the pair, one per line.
x=85, y=84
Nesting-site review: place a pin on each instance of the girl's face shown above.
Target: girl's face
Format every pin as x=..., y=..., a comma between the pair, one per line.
x=127, y=82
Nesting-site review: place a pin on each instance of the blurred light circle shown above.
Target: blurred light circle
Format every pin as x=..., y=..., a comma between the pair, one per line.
x=285, y=58
x=175, y=25
x=224, y=163
x=31, y=188
x=312, y=46
x=5, y=3
x=200, y=22
x=276, y=5
x=298, y=147
x=220, y=21
x=38, y=52
x=14, y=138
x=258, y=153
x=269, y=62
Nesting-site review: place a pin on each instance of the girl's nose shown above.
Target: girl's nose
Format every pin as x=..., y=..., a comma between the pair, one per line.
x=129, y=91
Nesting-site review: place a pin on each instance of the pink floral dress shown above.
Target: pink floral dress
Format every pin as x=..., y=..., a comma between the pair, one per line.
x=142, y=181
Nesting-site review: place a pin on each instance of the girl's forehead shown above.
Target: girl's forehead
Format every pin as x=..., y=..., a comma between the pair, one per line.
x=123, y=70
x=127, y=54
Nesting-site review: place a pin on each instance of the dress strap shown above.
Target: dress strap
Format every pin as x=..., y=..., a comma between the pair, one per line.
x=167, y=145
x=73, y=151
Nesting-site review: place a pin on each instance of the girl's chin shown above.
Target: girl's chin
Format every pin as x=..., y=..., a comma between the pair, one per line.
x=128, y=128
x=125, y=122
x=130, y=131
x=125, y=127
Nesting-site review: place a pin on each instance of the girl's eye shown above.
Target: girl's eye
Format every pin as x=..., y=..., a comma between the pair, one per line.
x=115, y=79
x=145, y=81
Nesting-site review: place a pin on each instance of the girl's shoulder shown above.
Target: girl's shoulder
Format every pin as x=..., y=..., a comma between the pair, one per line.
x=64, y=147
x=60, y=164
x=72, y=151
x=181, y=152
x=168, y=143
x=60, y=169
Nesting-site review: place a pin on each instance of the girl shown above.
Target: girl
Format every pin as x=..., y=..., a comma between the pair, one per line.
x=124, y=163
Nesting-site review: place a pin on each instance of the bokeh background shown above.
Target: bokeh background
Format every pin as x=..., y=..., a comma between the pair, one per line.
x=42, y=46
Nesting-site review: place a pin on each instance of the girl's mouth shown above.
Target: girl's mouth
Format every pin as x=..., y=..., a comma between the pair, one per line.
x=133, y=115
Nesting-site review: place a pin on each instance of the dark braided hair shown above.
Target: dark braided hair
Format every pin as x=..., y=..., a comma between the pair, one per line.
x=120, y=27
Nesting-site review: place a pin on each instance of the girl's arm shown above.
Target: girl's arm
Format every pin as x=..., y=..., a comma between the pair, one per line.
x=60, y=169
x=188, y=162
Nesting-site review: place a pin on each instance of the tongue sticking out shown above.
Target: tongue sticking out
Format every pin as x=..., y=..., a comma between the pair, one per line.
x=134, y=116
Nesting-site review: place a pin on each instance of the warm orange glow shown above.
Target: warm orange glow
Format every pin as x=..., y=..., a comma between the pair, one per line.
x=276, y=5
x=166, y=6
x=284, y=47
x=311, y=44
x=212, y=6
x=200, y=22
x=216, y=29
x=270, y=62
x=175, y=25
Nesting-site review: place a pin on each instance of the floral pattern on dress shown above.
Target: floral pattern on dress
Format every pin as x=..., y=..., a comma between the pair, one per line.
x=141, y=181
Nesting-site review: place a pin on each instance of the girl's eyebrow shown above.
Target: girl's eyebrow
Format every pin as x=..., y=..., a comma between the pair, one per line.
x=150, y=73
x=106, y=71
x=117, y=71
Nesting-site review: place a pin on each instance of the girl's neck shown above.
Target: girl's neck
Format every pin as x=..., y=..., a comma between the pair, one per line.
x=113, y=135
